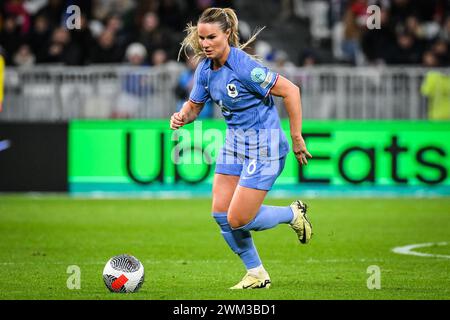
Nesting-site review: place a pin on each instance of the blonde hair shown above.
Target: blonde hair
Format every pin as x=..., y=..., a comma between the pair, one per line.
x=226, y=18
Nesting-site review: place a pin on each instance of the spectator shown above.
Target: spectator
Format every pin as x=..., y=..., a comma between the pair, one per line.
x=445, y=31
x=154, y=37
x=135, y=84
x=377, y=43
x=400, y=10
x=10, y=38
x=82, y=42
x=106, y=50
x=159, y=57
x=282, y=62
x=115, y=24
x=308, y=58
x=40, y=36
x=101, y=9
x=136, y=54
x=24, y=57
x=60, y=49
x=54, y=11
x=354, y=26
x=436, y=87
x=430, y=60
x=16, y=10
x=441, y=51
x=171, y=15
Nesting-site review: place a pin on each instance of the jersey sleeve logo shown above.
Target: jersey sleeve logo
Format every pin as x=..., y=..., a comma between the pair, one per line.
x=232, y=90
x=258, y=75
x=267, y=80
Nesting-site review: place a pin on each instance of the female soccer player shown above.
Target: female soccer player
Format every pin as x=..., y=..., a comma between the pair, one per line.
x=255, y=147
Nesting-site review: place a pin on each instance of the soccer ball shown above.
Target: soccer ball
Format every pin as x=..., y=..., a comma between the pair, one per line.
x=123, y=273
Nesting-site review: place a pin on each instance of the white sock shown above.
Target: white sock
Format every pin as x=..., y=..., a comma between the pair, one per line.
x=293, y=218
x=258, y=271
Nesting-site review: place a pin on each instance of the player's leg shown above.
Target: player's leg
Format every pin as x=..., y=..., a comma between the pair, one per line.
x=224, y=186
x=240, y=241
x=247, y=212
x=256, y=276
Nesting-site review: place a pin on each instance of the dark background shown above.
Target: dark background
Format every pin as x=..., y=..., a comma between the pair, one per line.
x=36, y=159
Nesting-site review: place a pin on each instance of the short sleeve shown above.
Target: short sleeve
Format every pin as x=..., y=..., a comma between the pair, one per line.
x=256, y=77
x=199, y=94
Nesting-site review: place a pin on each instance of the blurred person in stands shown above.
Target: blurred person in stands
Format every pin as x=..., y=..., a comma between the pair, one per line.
x=153, y=36
x=399, y=11
x=60, y=49
x=376, y=43
x=171, y=15
x=436, y=87
x=406, y=50
x=430, y=60
x=440, y=48
x=16, y=10
x=115, y=25
x=106, y=50
x=159, y=57
x=2, y=76
x=135, y=83
x=54, y=11
x=445, y=31
x=24, y=57
x=355, y=18
x=40, y=37
x=82, y=41
x=10, y=38
x=282, y=62
x=308, y=58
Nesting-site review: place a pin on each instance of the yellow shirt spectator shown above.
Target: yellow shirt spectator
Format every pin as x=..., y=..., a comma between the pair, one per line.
x=2, y=72
x=436, y=87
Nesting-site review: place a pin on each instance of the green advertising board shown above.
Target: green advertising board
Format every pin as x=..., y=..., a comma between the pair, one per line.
x=350, y=157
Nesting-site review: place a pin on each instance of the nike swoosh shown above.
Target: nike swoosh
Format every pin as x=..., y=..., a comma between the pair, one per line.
x=4, y=144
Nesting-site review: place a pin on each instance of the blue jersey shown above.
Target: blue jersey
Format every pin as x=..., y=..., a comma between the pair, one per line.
x=241, y=88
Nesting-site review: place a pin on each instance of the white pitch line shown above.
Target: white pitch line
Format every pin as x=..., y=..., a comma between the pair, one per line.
x=409, y=250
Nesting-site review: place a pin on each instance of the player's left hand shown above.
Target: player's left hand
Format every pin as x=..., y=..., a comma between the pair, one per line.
x=300, y=151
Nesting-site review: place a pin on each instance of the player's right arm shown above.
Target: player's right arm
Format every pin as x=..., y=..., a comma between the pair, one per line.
x=188, y=113
x=197, y=98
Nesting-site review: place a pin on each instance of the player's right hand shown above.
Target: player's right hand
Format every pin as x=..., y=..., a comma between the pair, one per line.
x=177, y=121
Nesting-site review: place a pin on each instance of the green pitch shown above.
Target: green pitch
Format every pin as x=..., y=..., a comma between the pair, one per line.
x=185, y=256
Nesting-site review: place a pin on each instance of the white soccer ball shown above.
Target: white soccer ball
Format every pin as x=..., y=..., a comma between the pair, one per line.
x=123, y=273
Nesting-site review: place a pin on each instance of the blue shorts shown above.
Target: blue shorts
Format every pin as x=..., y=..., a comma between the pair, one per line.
x=254, y=173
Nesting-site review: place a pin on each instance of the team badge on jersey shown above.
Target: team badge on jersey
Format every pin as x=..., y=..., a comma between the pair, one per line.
x=258, y=75
x=232, y=90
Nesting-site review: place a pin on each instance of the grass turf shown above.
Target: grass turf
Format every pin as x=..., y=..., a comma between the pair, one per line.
x=185, y=256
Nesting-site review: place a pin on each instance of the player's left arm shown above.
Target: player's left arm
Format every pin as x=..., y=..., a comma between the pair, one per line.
x=292, y=101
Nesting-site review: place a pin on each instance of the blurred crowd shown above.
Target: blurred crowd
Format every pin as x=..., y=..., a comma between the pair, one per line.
x=409, y=32
x=412, y=32
x=35, y=31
